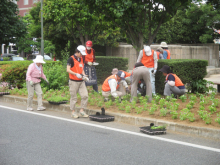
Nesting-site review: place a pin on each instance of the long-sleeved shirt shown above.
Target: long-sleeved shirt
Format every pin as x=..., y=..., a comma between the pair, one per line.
x=113, y=84
x=33, y=74
x=155, y=58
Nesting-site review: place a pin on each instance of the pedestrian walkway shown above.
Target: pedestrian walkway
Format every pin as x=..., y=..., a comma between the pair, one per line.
x=215, y=78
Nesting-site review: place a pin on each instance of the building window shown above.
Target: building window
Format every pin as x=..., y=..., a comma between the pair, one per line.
x=35, y=1
x=25, y=2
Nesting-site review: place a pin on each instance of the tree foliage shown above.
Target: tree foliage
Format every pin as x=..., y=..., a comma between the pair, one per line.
x=72, y=22
x=139, y=20
x=12, y=28
x=192, y=25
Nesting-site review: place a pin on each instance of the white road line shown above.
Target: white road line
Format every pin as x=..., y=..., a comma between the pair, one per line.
x=118, y=130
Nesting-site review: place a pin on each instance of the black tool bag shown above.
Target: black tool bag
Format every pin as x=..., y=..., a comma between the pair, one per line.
x=91, y=72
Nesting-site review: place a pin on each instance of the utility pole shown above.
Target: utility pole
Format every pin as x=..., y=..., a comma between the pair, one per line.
x=42, y=33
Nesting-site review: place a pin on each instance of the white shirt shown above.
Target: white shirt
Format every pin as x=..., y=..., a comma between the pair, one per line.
x=113, y=85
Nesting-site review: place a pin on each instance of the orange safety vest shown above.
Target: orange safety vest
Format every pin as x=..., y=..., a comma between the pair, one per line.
x=89, y=57
x=76, y=68
x=148, y=61
x=126, y=74
x=168, y=54
x=158, y=57
x=178, y=82
x=105, y=85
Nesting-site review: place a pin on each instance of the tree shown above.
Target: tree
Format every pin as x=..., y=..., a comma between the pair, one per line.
x=193, y=25
x=12, y=28
x=74, y=23
x=139, y=19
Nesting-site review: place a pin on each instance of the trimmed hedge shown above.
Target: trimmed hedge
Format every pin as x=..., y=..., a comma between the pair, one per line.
x=106, y=64
x=187, y=70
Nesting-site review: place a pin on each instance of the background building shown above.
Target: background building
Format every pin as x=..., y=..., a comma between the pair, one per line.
x=25, y=5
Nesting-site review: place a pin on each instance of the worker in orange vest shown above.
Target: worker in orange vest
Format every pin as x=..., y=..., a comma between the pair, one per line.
x=148, y=57
x=127, y=78
x=77, y=80
x=159, y=52
x=173, y=83
x=89, y=69
x=140, y=72
x=166, y=52
x=112, y=86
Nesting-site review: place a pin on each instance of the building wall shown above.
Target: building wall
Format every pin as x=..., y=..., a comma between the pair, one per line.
x=24, y=8
x=208, y=52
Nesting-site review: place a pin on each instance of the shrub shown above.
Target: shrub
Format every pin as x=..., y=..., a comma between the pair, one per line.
x=188, y=70
x=106, y=64
x=14, y=72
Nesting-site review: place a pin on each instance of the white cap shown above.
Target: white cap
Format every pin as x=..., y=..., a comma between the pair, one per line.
x=39, y=59
x=147, y=50
x=163, y=45
x=82, y=49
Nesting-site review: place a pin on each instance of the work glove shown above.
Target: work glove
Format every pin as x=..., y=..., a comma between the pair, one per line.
x=89, y=63
x=31, y=83
x=85, y=78
x=127, y=90
x=78, y=75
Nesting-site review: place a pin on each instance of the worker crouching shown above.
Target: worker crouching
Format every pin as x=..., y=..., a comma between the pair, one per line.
x=113, y=87
x=173, y=84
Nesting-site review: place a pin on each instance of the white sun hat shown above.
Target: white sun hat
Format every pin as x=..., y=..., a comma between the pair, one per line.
x=82, y=49
x=147, y=50
x=39, y=59
x=163, y=45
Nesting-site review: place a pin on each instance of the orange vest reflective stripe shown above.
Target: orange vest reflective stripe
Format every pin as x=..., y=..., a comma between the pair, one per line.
x=148, y=61
x=158, y=57
x=105, y=85
x=178, y=82
x=126, y=74
x=89, y=57
x=76, y=68
x=168, y=54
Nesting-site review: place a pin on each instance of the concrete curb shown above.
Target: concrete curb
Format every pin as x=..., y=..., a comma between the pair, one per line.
x=139, y=121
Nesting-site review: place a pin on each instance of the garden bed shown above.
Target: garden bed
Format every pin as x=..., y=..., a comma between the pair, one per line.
x=166, y=112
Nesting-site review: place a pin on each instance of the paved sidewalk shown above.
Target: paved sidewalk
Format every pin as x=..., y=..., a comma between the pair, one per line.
x=138, y=121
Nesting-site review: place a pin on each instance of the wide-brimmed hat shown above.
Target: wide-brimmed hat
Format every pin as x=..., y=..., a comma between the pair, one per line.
x=163, y=45
x=115, y=71
x=165, y=69
x=121, y=75
x=159, y=49
x=39, y=59
x=147, y=50
x=82, y=49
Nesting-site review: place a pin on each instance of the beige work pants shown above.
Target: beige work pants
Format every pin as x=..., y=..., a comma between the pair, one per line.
x=31, y=89
x=120, y=91
x=74, y=88
x=138, y=74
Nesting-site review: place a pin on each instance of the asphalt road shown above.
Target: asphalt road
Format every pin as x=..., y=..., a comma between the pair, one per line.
x=53, y=138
